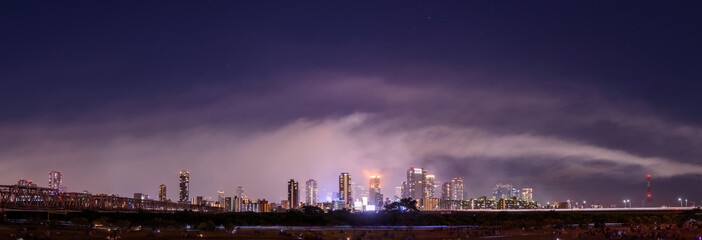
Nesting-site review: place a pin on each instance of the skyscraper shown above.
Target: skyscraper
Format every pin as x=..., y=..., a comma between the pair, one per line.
x=403, y=190
x=55, y=180
x=359, y=191
x=504, y=191
x=228, y=207
x=345, y=190
x=184, y=186
x=398, y=193
x=527, y=194
x=293, y=194
x=240, y=192
x=374, y=196
x=220, y=197
x=311, y=192
x=457, y=188
x=162, y=192
x=416, y=183
x=446, y=191
x=429, y=192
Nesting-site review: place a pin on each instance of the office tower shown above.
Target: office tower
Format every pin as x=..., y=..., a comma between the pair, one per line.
x=311, y=192
x=504, y=191
x=374, y=196
x=55, y=180
x=359, y=192
x=446, y=191
x=527, y=194
x=398, y=193
x=429, y=191
x=293, y=194
x=416, y=183
x=162, y=192
x=240, y=192
x=345, y=190
x=404, y=191
x=457, y=188
x=199, y=200
x=228, y=206
x=184, y=186
x=220, y=197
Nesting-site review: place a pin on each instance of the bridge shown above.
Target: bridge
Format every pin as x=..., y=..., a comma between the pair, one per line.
x=24, y=198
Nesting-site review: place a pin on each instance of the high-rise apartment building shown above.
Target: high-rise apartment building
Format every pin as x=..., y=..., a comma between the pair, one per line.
x=429, y=190
x=374, y=196
x=293, y=194
x=162, y=192
x=416, y=183
x=55, y=180
x=184, y=180
x=527, y=194
x=446, y=191
x=311, y=191
x=345, y=190
x=457, y=188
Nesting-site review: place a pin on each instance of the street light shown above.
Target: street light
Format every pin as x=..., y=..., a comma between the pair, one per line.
x=680, y=200
x=584, y=204
x=685, y=202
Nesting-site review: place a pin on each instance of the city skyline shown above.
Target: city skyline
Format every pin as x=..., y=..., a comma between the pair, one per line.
x=452, y=190
x=575, y=100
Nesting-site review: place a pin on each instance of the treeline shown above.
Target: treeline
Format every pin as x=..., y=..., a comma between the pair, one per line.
x=336, y=218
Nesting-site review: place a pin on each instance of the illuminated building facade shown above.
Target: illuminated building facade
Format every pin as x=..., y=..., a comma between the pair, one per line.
x=311, y=192
x=293, y=194
x=228, y=206
x=25, y=183
x=416, y=183
x=457, y=188
x=220, y=198
x=504, y=191
x=240, y=192
x=55, y=180
x=184, y=180
x=446, y=191
x=162, y=192
x=430, y=186
x=404, y=190
x=375, y=198
x=527, y=194
x=139, y=196
x=258, y=206
x=345, y=190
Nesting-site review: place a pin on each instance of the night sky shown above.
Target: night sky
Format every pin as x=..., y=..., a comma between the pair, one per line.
x=579, y=100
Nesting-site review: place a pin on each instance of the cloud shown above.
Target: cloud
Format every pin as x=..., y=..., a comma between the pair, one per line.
x=361, y=125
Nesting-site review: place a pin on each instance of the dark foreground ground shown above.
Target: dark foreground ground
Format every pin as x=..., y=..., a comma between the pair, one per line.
x=687, y=231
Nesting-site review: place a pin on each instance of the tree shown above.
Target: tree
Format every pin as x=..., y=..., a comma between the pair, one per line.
x=312, y=210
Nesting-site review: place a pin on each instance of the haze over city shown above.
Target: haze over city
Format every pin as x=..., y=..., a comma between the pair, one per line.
x=575, y=100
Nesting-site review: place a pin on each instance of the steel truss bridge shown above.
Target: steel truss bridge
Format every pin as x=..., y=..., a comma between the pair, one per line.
x=22, y=198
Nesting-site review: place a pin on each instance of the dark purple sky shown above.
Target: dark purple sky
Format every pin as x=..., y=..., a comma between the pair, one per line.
x=579, y=100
